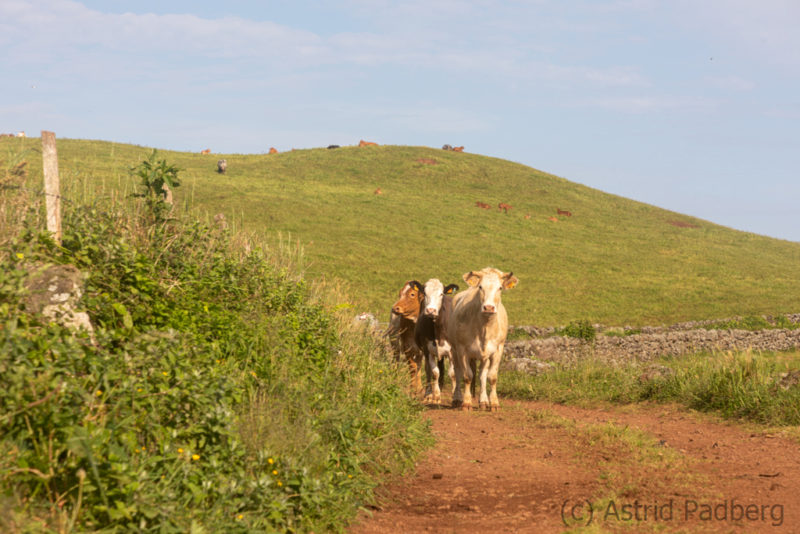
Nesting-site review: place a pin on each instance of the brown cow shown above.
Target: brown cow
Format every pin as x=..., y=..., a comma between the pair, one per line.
x=430, y=336
x=564, y=212
x=552, y=219
x=477, y=333
x=504, y=207
x=458, y=149
x=402, y=323
x=378, y=191
x=206, y=151
x=367, y=143
x=273, y=150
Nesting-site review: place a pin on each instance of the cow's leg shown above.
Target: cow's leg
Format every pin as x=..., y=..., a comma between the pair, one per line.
x=484, y=398
x=432, y=391
x=494, y=404
x=452, y=371
x=458, y=383
x=469, y=376
x=416, y=380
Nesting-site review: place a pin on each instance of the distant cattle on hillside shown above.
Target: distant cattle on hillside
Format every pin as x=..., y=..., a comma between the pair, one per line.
x=333, y=146
x=367, y=143
x=458, y=149
x=222, y=166
x=273, y=150
x=206, y=151
x=564, y=212
x=504, y=207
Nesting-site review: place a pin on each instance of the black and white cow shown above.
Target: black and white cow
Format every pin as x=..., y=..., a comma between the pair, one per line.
x=430, y=335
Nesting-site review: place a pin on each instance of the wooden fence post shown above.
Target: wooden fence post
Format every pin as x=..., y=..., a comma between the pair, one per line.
x=52, y=193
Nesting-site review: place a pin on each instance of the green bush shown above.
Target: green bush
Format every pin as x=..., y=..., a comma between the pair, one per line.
x=581, y=329
x=217, y=392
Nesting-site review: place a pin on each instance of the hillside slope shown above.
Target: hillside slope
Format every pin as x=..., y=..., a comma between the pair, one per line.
x=614, y=261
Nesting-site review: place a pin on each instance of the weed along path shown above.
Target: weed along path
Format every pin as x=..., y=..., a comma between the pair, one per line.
x=541, y=467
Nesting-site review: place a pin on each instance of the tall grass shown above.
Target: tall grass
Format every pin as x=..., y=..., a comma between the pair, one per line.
x=220, y=391
x=750, y=386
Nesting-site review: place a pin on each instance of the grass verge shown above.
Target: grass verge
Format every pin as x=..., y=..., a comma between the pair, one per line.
x=756, y=387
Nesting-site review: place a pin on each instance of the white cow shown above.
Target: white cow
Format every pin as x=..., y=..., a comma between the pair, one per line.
x=478, y=334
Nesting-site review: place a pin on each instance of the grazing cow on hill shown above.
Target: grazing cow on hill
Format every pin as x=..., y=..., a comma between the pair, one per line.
x=477, y=333
x=367, y=143
x=552, y=219
x=430, y=336
x=564, y=212
x=504, y=207
x=458, y=149
x=378, y=191
x=405, y=312
x=332, y=146
x=206, y=151
x=21, y=134
x=447, y=147
x=273, y=150
x=222, y=166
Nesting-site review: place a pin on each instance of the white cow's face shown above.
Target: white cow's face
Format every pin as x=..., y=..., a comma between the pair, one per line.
x=434, y=293
x=490, y=283
x=490, y=288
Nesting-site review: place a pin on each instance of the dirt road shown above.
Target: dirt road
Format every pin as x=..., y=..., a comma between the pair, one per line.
x=539, y=467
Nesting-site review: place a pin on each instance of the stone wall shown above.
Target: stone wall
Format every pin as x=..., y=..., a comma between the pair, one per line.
x=647, y=346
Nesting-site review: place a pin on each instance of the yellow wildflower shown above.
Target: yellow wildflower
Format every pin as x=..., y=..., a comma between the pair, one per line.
x=195, y=457
x=98, y=392
x=280, y=484
x=270, y=461
x=20, y=255
x=274, y=471
x=180, y=451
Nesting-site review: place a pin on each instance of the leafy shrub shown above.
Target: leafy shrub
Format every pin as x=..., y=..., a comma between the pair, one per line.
x=216, y=393
x=581, y=329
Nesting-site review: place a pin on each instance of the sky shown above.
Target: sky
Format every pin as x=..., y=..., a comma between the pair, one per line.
x=692, y=106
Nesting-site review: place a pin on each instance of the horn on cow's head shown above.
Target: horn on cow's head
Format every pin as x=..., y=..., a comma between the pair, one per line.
x=451, y=288
x=472, y=278
x=509, y=280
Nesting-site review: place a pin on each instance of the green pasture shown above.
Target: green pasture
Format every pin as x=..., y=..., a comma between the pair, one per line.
x=614, y=261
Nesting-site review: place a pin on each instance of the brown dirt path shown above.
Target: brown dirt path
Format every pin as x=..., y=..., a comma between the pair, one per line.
x=540, y=467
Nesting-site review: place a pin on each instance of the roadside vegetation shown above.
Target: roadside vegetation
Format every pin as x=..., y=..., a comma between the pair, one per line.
x=762, y=388
x=221, y=389
x=614, y=261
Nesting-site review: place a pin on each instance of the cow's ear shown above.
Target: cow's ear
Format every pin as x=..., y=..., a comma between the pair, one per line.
x=416, y=285
x=452, y=288
x=509, y=281
x=472, y=278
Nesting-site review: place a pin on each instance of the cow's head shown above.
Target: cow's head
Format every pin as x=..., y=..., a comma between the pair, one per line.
x=409, y=300
x=433, y=293
x=490, y=283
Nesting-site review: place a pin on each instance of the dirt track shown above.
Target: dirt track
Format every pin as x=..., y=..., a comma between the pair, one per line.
x=538, y=467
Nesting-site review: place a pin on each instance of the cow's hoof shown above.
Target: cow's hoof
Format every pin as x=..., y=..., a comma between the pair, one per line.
x=428, y=399
x=466, y=407
x=484, y=406
x=496, y=408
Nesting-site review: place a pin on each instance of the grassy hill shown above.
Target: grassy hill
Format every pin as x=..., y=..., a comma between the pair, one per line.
x=614, y=261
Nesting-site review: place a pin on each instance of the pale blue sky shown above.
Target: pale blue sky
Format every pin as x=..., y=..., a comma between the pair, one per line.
x=689, y=105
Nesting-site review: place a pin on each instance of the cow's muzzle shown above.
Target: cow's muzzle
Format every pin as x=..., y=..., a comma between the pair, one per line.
x=488, y=308
x=431, y=312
